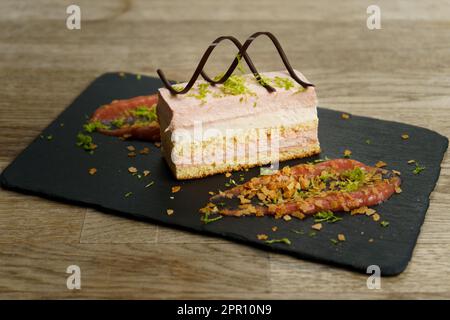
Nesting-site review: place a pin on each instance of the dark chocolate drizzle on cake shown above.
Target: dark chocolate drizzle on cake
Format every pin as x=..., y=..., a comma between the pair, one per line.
x=242, y=53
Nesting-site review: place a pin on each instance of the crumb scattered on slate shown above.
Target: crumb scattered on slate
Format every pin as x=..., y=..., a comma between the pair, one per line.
x=317, y=226
x=132, y=170
x=262, y=236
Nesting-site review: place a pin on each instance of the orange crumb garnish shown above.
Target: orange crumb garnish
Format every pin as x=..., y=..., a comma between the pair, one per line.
x=211, y=193
x=360, y=210
x=341, y=237
x=317, y=226
x=274, y=229
x=145, y=151
x=398, y=189
x=131, y=154
x=380, y=164
x=169, y=212
x=405, y=136
x=262, y=236
x=146, y=172
x=157, y=144
x=345, y=116
x=376, y=217
x=132, y=170
x=228, y=174
x=287, y=218
x=131, y=148
x=175, y=189
x=298, y=214
x=244, y=200
x=92, y=171
x=411, y=161
x=396, y=172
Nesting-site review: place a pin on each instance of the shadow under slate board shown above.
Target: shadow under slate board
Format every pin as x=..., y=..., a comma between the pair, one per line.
x=57, y=169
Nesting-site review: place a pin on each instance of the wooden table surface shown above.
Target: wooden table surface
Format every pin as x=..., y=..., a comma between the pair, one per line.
x=400, y=72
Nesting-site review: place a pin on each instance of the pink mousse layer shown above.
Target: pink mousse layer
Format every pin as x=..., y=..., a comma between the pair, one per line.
x=182, y=111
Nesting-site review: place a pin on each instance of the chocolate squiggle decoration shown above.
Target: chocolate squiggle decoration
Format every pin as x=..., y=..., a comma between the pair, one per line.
x=242, y=53
x=199, y=70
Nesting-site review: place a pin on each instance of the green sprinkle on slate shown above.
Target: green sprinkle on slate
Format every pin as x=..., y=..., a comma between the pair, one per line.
x=282, y=240
x=85, y=141
x=384, y=223
x=206, y=219
x=418, y=169
x=326, y=216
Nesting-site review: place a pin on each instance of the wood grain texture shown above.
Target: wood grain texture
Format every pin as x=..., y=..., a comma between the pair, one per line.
x=398, y=73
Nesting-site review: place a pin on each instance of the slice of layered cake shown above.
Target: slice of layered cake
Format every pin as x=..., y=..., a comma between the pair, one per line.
x=237, y=124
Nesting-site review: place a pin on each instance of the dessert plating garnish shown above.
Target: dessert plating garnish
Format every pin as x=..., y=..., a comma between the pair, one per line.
x=319, y=190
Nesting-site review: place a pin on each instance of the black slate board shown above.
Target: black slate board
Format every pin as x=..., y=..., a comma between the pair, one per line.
x=57, y=169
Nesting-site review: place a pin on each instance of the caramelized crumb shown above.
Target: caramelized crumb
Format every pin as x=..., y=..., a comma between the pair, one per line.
x=92, y=171
x=380, y=164
x=145, y=151
x=405, y=136
x=131, y=148
x=131, y=154
x=398, y=189
x=146, y=172
x=341, y=237
x=132, y=170
x=345, y=116
x=228, y=174
x=262, y=236
x=274, y=229
x=170, y=212
x=360, y=210
x=376, y=217
x=287, y=218
x=157, y=144
x=317, y=226
x=175, y=189
x=243, y=199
